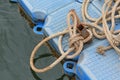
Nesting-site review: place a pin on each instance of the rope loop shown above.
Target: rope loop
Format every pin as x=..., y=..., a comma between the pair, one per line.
x=82, y=32
x=74, y=41
x=78, y=35
x=116, y=39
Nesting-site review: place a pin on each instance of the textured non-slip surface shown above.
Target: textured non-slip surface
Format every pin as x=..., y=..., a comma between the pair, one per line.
x=99, y=67
x=56, y=21
x=39, y=9
x=91, y=65
x=98, y=4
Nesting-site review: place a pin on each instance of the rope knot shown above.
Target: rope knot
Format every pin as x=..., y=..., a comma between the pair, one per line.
x=116, y=39
x=74, y=41
x=101, y=50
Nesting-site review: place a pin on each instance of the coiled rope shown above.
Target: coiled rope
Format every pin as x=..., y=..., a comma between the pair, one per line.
x=80, y=33
x=101, y=32
x=76, y=41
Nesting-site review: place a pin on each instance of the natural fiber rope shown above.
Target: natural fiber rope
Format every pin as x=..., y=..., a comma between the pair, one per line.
x=75, y=42
x=109, y=33
x=77, y=38
x=74, y=37
x=99, y=20
x=106, y=17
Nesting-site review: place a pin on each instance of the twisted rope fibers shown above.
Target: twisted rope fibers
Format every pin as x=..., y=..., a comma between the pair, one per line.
x=78, y=38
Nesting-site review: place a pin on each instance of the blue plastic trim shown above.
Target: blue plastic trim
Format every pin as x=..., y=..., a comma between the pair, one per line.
x=69, y=68
x=26, y=10
x=35, y=29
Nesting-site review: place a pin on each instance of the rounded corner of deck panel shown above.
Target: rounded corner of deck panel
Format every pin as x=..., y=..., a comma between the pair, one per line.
x=84, y=73
x=39, y=14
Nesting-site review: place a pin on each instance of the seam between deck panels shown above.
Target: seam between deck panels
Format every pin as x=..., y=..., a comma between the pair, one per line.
x=96, y=7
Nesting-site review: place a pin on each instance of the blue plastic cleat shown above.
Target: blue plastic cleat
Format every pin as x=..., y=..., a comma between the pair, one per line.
x=38, y=29
x=69, y=68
